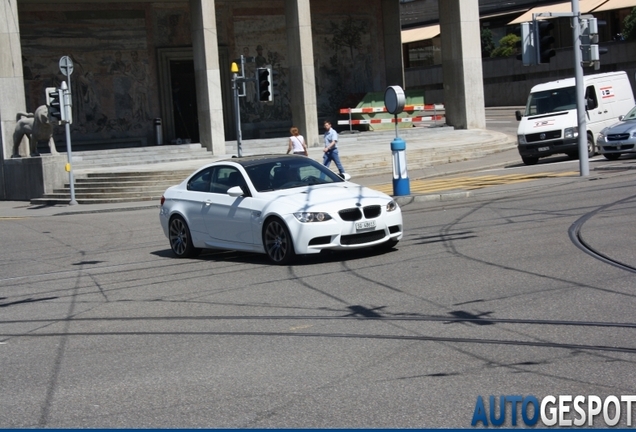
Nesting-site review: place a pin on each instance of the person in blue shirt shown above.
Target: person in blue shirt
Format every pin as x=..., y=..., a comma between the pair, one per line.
x=331, y=148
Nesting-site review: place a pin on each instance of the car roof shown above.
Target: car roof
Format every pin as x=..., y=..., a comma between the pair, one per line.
x=247, y=161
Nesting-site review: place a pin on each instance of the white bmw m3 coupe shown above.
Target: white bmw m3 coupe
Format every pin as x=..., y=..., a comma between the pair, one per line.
x=280, y=205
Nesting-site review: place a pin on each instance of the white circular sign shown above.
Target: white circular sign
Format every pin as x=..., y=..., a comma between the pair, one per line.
x=66, y=66
x=394, y=99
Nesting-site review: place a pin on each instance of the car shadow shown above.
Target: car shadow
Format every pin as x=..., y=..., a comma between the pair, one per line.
x=327, y=256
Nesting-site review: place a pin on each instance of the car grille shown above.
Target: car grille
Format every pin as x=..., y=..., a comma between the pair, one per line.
x=366, y=237
x=618, y=147
x=354, y=214
x=546, y=136
x=618, y=137
x=372, y=211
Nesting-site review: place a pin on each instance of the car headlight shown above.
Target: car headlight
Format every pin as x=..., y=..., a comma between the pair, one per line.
x=521, y=139
x=600, y=137
x=312, y=216
x=634, y=134
x=391, y=206
x=572, y=132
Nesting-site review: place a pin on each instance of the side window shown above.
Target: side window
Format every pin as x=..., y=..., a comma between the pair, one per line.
x=201, y=181
x=225, y=177
x=591, y=99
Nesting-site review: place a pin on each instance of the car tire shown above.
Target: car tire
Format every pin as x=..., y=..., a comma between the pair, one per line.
x=591, y=146
x=529, y=160
x=277, y=242
x=612, y=156
x=180, y=239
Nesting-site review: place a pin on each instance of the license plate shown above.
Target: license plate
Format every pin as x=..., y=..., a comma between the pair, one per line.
x=543, y=149
x=365, y=225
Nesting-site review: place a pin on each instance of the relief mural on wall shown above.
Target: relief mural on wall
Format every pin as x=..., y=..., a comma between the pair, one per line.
x=249, y=33
x=343, y=64
x=114, y=80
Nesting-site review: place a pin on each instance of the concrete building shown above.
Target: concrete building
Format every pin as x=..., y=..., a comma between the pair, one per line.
x=139, y=61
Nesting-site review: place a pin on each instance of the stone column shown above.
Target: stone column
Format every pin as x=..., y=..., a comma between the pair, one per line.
x=207, y=75
x=392, y=43
x=302, y=83
x=461, y=64
x=12, y=98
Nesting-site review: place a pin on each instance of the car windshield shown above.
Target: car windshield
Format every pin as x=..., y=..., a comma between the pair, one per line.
x=550, y=101
x=631, y=115
x=288, y=173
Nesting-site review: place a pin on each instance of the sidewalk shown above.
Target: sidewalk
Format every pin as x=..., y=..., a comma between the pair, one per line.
x=459, y=149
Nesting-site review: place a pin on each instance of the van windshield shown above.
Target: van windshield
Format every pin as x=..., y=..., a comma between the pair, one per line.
x=550, y=101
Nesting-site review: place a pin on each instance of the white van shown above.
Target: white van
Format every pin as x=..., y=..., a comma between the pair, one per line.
x=550, y=123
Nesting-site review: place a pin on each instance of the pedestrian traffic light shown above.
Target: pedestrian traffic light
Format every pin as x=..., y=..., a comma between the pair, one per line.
x=54, y=102
x=525, y=44
x=264, y=82
x=544, y=41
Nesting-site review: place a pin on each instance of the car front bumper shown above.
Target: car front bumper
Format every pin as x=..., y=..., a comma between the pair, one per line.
x=335, y=234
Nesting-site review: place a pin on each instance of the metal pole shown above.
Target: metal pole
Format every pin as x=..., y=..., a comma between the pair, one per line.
x=584, y=165
x=69, y=155
x=238, y=116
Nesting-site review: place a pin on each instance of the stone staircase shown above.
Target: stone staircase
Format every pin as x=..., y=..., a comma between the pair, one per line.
x=144, y=173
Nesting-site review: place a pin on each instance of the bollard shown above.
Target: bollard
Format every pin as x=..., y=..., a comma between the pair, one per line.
x=401, y=184
x=158, y=131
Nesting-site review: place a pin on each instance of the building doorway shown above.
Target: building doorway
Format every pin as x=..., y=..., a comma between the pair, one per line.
x=184, y=101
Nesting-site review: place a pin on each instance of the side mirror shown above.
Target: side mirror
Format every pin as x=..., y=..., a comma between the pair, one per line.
x=346, y=177
x=518, y=115
x=621, y=117
x=235, y=191
x=590, y=104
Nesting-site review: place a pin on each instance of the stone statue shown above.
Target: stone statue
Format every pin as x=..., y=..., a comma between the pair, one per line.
x=37, y=127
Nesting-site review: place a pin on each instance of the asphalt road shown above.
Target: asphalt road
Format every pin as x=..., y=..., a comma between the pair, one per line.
x=524, y=289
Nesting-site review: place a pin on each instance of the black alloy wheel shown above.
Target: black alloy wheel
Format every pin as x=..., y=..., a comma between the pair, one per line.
x=180, y=239
x=278, y=242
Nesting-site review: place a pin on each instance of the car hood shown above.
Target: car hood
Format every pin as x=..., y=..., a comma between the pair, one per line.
x=329, y=197
x=621, y=127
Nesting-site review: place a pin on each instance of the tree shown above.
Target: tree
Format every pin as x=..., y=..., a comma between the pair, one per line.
x=629, y=26
x=507, y=46
x=487, y=45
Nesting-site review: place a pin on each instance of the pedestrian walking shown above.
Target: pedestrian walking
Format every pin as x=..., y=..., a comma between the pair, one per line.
x=331, y=148
x=297, y=143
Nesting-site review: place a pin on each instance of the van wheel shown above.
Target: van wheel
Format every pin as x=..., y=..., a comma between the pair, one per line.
x=529, y=160
x=612, y=156
x=591, y=147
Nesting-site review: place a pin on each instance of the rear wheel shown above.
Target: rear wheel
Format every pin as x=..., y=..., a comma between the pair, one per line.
x=278, y=242
x=529, y=160
x=612, y=156
x=180, y=239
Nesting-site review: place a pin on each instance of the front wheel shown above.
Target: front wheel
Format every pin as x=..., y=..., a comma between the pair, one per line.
x=180, y=239
x=278, y=242
x=529, y=160
x=612, y=156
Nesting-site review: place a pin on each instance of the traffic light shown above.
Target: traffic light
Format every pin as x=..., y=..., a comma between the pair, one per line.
x=590, y=51
x=544, y=41
x=525, y=44
x=54, y=102
x=264, y=82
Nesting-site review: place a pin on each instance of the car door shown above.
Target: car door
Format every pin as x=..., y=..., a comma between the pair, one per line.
x=228, y=219
x=194, y=198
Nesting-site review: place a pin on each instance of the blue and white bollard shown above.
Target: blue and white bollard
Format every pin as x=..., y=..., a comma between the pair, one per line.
x=401, y=184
